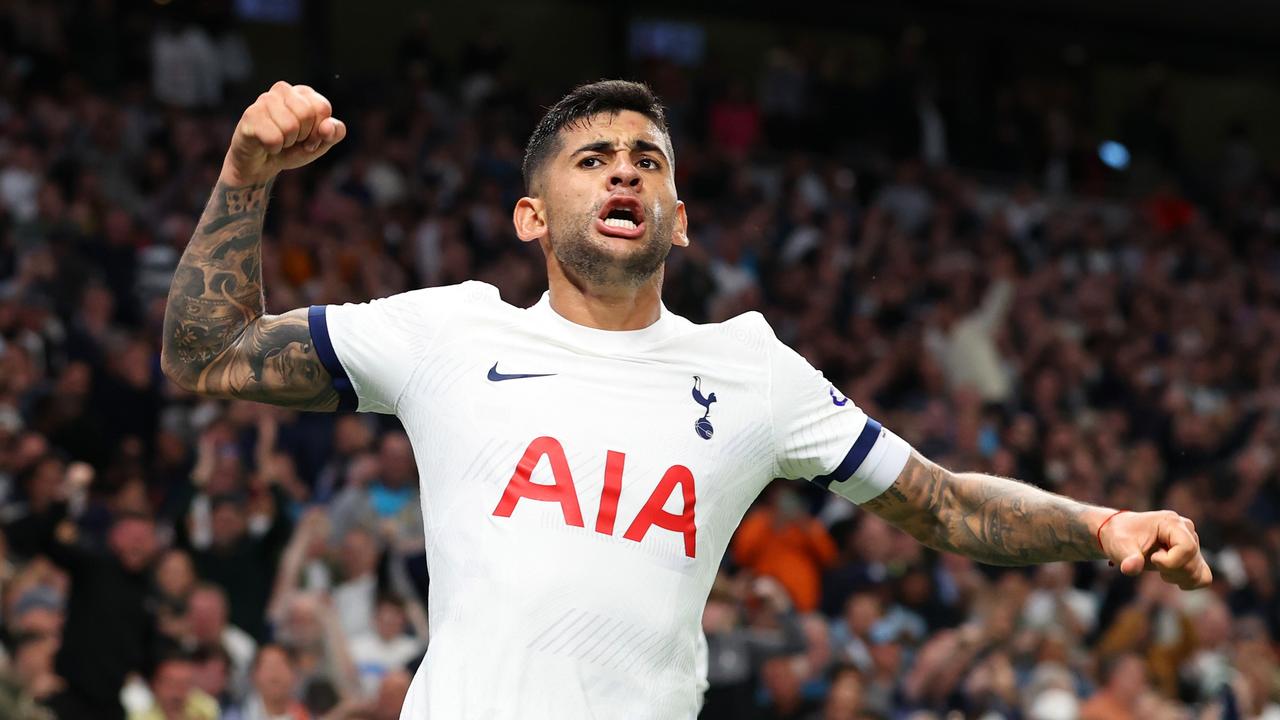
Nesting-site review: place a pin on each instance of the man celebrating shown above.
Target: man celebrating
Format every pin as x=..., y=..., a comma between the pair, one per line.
x=586, y=460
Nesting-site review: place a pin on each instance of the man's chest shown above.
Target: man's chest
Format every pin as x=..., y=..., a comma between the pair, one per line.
x=616, y=445
x=691, y=404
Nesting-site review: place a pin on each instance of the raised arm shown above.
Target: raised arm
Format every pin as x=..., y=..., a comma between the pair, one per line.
x=1005, y=522
x=217, y=339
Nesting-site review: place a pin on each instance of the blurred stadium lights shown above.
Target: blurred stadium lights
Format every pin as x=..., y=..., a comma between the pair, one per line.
x=1114, y=155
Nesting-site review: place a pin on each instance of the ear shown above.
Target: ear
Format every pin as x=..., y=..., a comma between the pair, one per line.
x=530, y=219
x=680, y=235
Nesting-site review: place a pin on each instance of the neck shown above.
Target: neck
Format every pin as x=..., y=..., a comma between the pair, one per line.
x=623, y=307
x=276, y=705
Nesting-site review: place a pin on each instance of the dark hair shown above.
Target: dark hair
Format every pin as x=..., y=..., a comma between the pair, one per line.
x=289, y=655
x=586, y=101
x=389, y=598
x=205, y=653
x=843, y=668
x=128, y=515
x=168, y=654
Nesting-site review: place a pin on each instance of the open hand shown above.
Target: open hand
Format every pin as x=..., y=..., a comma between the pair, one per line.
x=286, y=127
x=1163, y=541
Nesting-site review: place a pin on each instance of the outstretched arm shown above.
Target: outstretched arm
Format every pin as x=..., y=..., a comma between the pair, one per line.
x=217, y=339
x=1005, y=522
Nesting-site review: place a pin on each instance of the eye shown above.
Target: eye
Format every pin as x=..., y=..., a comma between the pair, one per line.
x=591, y=162
x=648, y=164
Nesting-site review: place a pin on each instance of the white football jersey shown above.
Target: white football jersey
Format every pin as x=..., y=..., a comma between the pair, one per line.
x=580, y=486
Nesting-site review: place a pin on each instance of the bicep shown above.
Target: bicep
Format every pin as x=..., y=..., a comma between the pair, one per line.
x=273, y=361
x=914, y=501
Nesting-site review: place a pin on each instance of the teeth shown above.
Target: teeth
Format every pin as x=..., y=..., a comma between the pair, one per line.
x=620, y=223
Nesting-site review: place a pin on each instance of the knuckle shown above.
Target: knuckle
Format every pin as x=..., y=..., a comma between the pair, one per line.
x=280, y=85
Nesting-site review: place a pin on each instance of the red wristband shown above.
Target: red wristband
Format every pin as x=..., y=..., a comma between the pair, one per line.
x=1104, y=524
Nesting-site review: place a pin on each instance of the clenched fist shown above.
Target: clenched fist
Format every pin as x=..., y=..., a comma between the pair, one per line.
x=286, y=127
x=1162, y=541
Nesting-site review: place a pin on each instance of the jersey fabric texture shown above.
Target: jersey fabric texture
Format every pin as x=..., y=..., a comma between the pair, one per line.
x=579, y=486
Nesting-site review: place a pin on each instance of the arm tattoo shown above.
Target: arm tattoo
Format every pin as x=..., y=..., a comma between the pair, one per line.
x=217, y=341
x=990, y=519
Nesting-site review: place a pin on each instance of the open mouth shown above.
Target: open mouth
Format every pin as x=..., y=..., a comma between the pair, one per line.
x=621, y=217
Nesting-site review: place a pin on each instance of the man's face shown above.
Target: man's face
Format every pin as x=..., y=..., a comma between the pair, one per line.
x=273, y=677
x=172, y=685
x=211, y=676
x=359, y=554
x=227, y=524
x=608, y=201
x=395, y=458
x=207, y=615
x=1129, y=678
x=134, y=541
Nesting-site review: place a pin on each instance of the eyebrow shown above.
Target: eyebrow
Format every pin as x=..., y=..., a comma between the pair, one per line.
x=604, y=146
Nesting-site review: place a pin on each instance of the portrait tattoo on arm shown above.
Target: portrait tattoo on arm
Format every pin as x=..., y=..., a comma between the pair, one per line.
x=217, y=339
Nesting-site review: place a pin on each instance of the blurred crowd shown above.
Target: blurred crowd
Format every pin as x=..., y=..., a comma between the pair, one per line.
x=1030, y=315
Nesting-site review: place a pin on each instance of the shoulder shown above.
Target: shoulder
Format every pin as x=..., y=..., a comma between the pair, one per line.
x=464, y=294
x=421, y=313
x=749, y=331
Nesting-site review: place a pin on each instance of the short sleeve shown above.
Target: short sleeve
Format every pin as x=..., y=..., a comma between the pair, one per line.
x=372, y=349
x=822, y=436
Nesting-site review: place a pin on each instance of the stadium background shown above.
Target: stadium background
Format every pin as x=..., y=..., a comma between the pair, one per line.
x=1039, y=242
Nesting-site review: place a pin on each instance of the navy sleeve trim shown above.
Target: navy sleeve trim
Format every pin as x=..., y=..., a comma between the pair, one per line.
x=856, y=455
x=318, y=322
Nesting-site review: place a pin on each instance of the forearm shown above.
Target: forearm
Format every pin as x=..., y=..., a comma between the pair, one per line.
x=216, y=290
x=994, y=520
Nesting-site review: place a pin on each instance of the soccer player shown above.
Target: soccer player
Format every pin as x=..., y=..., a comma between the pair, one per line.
x=585, y=460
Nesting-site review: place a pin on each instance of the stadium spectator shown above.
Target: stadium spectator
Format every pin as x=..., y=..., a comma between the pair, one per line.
x=175, y=695
x=319, y=649
x=387, y=646
x=174, y=579
x=738, y=647
x=241, y=552
x=275, y=689
x=387, y=501
x=844, y=699
x=781, y=681
x=355, y=597
x=109, y=630
x=783, y=541
x=1119, y=698
x=213, y=676
x=208, y=629
x=31, y=663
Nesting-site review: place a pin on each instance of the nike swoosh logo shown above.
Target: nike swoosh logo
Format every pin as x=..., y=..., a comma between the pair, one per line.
x=496, y=376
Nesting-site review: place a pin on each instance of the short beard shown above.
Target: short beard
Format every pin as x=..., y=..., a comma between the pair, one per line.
x=585, y=258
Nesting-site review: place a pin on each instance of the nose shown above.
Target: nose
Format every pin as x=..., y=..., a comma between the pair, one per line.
x=624, y=173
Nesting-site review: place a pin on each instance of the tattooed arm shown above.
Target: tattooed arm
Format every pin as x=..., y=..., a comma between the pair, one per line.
x=1005, y=522
x=217, y=339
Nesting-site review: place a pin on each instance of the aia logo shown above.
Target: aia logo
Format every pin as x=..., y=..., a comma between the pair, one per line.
x=562, y=491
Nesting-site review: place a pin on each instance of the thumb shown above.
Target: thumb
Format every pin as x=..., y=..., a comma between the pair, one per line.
x=1133, y=564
